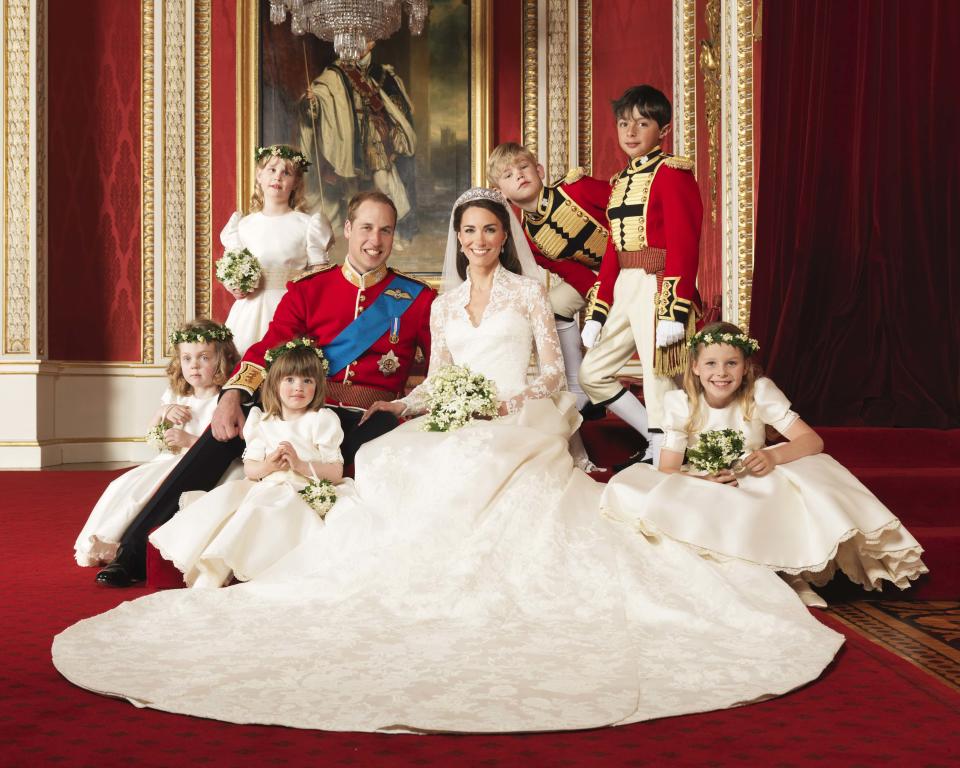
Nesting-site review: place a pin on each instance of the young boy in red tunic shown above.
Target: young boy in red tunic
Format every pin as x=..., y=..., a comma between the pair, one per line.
x=647, y=301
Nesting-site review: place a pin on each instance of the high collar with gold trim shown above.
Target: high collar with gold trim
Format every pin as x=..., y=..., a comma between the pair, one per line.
x=544, y=206
x=365, y=279
x=652, y=157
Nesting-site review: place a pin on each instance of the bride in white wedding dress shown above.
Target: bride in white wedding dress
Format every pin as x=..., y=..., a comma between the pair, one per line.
x=471, y=584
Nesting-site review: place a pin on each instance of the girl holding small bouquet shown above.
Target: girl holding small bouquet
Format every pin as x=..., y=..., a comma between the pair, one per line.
x=204, y=356
x=292, y=462
x=270, y=246
x=787, y=506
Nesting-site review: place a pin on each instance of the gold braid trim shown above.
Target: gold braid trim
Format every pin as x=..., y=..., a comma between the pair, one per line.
x=672, y=361
x=248, y=378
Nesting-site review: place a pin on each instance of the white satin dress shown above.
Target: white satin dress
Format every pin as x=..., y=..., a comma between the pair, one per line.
x=808, y=517
x=123, y=499
x=285, y=246
x=243, y=527
x=470, y=585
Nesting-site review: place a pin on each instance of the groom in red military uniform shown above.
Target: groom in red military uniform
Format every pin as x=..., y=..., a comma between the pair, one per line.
x=368, y=319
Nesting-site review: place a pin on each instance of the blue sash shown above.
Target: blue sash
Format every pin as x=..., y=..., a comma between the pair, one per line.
x=372, y=323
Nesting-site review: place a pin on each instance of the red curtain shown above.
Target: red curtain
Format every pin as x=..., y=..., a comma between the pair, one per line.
x=856, y=293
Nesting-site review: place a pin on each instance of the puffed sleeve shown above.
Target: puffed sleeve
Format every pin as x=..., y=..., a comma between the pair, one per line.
x=256, y=449
x=230, y=234
x=167, y=397
x=772, y=405
x=319, y=239
x=327, y=437
x=676, y=414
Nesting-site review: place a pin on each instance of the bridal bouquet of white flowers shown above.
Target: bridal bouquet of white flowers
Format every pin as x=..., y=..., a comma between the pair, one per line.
x=458, y=395
x=716, y=449
x=321, y=495
x=239, y=270
x=155, y=437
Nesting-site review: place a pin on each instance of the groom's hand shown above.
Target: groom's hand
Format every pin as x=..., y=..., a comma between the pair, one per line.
x=228, y=418
x=393, y=406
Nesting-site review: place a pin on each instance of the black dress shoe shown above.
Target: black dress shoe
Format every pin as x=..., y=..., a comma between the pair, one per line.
x=117, y=575
x=639, y=457
x=592, y=412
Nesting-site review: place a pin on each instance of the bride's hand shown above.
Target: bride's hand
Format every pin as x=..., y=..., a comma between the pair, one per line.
x=392, y=406
x=724, y=476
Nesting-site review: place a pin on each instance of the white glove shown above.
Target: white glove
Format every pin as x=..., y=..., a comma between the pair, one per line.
x=669, y=332
x=590, y=332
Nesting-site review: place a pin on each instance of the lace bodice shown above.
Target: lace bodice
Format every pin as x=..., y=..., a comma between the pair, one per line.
x=517, y=320
x=771, y=407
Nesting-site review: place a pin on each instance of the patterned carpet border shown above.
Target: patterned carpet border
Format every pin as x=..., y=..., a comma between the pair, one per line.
x=927, y=634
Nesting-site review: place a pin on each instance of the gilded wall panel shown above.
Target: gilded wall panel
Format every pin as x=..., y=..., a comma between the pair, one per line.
x=17, y=214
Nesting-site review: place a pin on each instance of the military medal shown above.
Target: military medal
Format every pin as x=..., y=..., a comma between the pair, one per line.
x=395, y=332
x=388, y=364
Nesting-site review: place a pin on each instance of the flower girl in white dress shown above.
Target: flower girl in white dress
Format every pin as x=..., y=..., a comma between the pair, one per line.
x=204, y=356
x=244, y=526
x=284, y=240
x=789, y=507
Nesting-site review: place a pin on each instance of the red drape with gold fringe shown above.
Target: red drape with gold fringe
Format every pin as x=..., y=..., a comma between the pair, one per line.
x=856, y=293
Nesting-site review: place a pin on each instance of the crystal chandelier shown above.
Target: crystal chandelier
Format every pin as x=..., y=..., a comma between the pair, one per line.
x=350, y=24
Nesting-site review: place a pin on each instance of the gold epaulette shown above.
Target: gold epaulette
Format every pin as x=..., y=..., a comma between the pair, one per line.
x=679, y=162
x=617, y=175
x=311, y=271
x=574, y=174
x=411, y=277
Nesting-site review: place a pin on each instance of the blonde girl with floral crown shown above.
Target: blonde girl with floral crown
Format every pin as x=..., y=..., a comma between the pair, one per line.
x=787, y=506
x=284, y=240
x=243, y=527
x=203, y=357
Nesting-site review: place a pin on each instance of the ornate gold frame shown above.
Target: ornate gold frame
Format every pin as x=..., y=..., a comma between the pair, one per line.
x=248, y=78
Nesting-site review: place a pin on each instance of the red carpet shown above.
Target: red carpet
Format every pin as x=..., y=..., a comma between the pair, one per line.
x=869, y=707
x=915, y=472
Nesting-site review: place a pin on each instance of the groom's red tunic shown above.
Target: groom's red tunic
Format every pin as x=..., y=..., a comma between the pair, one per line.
x=321, y=306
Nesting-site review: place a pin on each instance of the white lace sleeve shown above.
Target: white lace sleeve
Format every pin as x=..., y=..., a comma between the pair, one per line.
x=440, y=356
x=551, y=377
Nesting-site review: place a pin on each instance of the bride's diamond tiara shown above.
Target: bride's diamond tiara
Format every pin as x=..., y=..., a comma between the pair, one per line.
x=481, y=193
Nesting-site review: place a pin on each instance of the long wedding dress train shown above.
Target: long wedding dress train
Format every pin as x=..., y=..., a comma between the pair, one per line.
x=470, y=584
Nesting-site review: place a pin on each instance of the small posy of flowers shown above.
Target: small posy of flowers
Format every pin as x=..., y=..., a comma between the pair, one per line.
x=321, y=495
x=155, y=437
x=239, y=270
x=304, y=341
x=740, y=340
x=458, y=395
x=716, y=450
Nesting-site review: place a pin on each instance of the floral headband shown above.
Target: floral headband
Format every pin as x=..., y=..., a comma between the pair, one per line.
x=740, y=340
x=305, y=342
x=280, y=150
x=196, y=335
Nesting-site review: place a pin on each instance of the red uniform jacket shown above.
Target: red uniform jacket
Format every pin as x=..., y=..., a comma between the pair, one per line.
x=666, y=214
x=323, y=304
x=569, y=233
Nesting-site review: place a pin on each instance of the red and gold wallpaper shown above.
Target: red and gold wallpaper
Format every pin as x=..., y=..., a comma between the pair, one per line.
x=94, y=180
